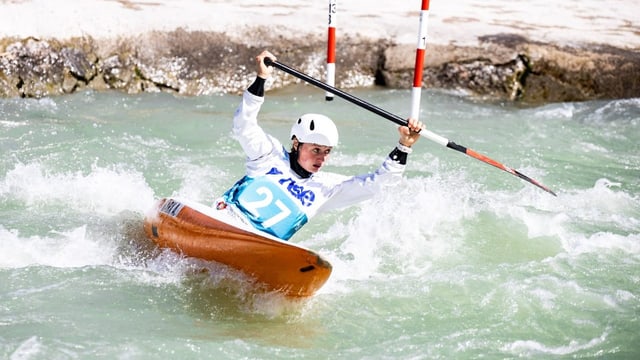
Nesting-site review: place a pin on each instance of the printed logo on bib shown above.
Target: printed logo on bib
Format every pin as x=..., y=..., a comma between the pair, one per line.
x=270, y=208
x=306, y=197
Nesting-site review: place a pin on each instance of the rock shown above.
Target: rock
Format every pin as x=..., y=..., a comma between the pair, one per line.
x=507, y=67
x=502, y=67
x=117, y=71
x=572, y=74
x=78, y=64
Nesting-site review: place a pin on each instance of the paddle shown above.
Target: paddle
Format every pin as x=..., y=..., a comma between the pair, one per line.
x=400, y=121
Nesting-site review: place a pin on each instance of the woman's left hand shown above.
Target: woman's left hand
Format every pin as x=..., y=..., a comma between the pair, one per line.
x=410, y=133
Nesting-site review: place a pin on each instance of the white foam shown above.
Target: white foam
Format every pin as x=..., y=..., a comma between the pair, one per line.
x=402, y=231
x=555, y=111
x=80, y=201
x=422, y=222
x=101, y=191
x=28, y=349
x=12, y=124
x=532, y=347
x=567, y=216
x=201, y=183
x=170, y=267
x=72, y=248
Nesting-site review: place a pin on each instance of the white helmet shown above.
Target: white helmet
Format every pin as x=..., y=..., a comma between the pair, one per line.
x=315, y=129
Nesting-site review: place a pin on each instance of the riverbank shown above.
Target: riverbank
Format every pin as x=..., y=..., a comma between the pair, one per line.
x=498, y=50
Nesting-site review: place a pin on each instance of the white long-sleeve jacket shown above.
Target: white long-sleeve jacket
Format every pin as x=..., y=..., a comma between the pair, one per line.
x=278, y=201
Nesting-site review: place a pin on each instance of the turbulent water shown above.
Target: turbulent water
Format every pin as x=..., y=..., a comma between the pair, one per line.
x=460, y=261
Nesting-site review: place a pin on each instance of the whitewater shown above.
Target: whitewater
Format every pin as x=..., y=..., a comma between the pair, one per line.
x=461, y=260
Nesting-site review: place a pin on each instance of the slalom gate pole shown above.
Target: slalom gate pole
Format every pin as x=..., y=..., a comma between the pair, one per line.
x=416, y=91
x=331, y=48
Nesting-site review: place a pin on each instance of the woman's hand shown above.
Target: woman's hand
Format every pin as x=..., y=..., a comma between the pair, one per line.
x=264, y=71
x=410, y=133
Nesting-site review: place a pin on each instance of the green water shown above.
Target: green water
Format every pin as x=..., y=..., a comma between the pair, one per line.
x=462, y=261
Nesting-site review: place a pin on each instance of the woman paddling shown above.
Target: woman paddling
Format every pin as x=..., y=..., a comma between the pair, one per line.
x=283, y=189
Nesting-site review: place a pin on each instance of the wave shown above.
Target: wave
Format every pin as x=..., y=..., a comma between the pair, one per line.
x=445, y=220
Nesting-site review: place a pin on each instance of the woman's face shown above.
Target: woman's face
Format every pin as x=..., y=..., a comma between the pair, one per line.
x=311, y=157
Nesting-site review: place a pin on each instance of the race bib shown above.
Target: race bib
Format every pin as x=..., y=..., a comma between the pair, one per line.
x=269, y=208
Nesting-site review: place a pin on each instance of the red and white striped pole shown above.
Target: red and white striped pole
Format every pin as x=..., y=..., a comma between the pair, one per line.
x=416, y=91
x=331, y=49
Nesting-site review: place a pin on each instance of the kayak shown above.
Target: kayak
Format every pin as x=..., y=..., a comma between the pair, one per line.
x=220, y=234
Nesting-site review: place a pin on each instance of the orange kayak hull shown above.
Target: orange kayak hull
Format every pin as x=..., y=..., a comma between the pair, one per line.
x=278, y=265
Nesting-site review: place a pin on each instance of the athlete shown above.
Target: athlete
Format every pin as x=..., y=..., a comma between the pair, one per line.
x=283, y=189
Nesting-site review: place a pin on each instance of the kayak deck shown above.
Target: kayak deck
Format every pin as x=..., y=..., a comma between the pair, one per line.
x=279, y=265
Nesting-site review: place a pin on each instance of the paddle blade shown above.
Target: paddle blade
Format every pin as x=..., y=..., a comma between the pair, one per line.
x=511, y=171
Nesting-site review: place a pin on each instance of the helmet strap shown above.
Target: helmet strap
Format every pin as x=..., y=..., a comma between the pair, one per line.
x=295, y=165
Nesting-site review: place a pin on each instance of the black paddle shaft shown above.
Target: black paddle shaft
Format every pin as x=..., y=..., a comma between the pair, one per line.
x=324, y=86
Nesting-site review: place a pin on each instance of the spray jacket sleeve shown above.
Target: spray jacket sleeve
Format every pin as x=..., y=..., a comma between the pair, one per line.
x=354, y=189
x=254, y=141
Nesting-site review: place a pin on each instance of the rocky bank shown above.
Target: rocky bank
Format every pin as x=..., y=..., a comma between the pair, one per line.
x=496, y=67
